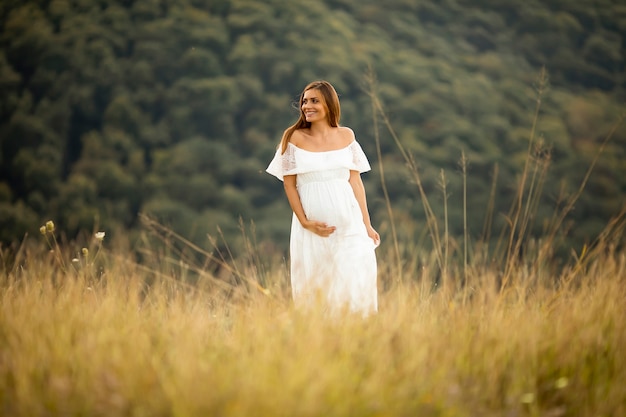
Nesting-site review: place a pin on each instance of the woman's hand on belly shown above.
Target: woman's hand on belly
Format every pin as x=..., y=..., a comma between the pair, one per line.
x=319, y=228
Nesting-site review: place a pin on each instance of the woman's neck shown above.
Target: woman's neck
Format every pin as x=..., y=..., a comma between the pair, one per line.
x=321, y=130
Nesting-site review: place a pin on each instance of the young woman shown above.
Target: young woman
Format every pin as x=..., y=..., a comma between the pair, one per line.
x=332, y=239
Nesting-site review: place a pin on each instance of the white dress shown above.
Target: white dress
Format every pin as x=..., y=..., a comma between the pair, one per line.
x=340, y=268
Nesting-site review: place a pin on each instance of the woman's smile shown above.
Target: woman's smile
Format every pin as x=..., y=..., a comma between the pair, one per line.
x=313, y=106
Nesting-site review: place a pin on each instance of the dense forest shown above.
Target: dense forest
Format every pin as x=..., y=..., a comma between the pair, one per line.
x=174, y=108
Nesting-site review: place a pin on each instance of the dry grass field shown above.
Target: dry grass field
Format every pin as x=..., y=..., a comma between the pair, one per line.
x=103, y=335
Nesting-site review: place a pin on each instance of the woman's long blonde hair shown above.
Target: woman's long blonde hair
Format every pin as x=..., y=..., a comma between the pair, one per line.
x=331, y=102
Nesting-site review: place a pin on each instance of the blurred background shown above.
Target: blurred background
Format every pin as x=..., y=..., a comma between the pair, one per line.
x=174, y=108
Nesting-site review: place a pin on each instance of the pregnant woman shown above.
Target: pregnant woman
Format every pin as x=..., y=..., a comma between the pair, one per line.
x=332, y=239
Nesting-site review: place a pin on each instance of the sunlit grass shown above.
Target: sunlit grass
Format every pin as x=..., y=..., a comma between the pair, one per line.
x=121, y=339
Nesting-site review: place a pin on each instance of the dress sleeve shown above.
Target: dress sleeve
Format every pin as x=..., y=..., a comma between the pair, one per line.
x=283, y=164
x=359, y=160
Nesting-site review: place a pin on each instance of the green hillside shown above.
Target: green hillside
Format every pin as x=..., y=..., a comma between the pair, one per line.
x=111, y=108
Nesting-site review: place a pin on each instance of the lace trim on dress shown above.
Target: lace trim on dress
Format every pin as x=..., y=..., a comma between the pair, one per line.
x=358, y=157
x=289, y=159
x=351, y=157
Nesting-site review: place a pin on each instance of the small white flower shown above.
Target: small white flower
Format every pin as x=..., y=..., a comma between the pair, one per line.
x=99, y=235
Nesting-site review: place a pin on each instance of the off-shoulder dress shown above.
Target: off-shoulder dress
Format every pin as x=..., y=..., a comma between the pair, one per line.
x=341, y=268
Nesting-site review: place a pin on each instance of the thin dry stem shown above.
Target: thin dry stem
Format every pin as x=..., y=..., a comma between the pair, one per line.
x=431, y=218
x=446, y=234
x=515, y=238
x=463, y=163
x=558, y=221
x=371, y=85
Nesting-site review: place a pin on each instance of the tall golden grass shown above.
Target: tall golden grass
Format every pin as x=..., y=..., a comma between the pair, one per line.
x=118, y=339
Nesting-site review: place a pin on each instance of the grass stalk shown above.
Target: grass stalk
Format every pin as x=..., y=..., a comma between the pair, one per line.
x=557, y=222
x=489, y=211
x=464, y=163
x=446, y=234
x=371, y=86
x=515, y=239
x=431, y=218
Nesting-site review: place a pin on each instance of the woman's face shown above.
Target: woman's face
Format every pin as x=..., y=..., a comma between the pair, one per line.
x=313, y=106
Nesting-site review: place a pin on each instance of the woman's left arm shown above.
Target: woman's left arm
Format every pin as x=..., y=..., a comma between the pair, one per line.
x=359, y=193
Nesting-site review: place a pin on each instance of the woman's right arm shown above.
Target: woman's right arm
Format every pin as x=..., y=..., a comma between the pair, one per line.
x=319, y=228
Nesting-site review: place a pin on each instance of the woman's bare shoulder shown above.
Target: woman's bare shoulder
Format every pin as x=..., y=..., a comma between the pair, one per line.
x=297, y=137
x=346, y=134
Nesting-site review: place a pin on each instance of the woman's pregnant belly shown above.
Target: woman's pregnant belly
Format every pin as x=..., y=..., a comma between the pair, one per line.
x=331, y=202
